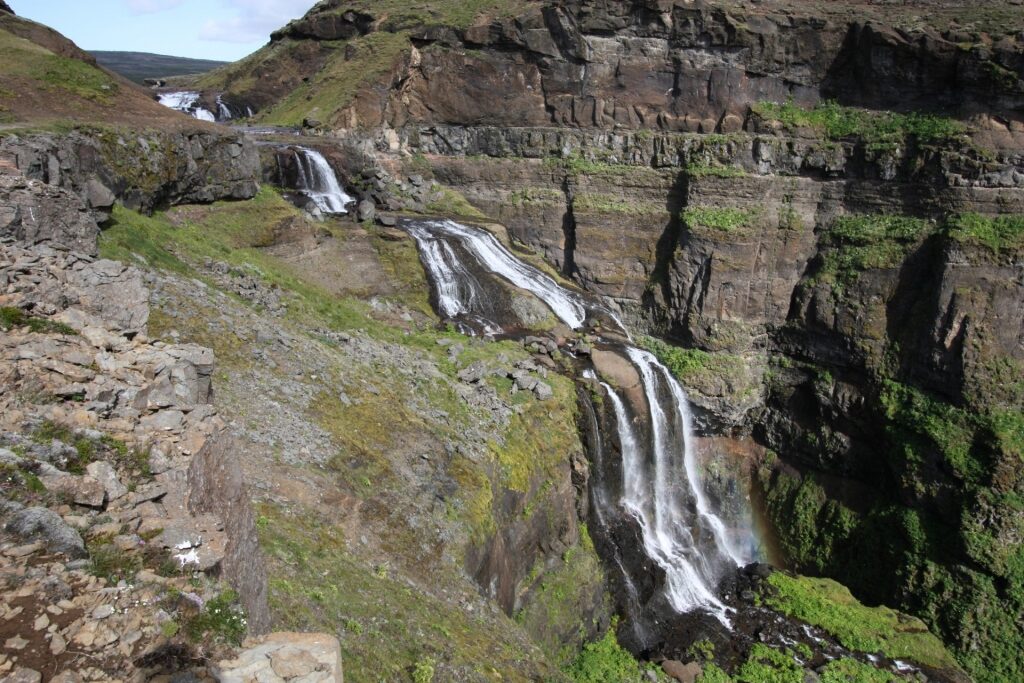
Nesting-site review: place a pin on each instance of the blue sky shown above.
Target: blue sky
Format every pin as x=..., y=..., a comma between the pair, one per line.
x=205, y=29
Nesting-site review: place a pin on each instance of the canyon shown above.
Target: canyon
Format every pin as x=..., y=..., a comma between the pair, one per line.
x=541, y=332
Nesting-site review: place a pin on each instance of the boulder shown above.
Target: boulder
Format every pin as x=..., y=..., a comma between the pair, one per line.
x=83, y=490
x=684, y=673
x=366, y=210
x=46, y=525
x=284, y=656
x=618, y=371
x=104, y=473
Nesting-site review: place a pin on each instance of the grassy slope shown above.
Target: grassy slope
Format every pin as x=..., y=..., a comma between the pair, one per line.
x=318, y=580
x=46, y=80
x=339, y=70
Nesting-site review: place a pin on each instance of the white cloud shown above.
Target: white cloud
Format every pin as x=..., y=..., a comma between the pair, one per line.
x=252, y=20
x=151, y=6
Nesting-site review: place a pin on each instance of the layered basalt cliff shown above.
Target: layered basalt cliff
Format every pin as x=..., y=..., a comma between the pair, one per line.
x=684, y=161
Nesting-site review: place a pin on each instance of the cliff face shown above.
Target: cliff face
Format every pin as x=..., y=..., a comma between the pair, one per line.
x=682, y=160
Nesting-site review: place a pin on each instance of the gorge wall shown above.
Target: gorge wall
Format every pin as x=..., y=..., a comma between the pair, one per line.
x=861, y=266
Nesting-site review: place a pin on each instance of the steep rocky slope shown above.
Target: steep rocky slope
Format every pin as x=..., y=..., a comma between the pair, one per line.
x=828, y=195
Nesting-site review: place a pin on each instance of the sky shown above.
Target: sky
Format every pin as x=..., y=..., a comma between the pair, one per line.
x=204, y=29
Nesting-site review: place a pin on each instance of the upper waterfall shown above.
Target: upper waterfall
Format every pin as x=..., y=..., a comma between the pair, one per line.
x=317, y=180
x=188, y=103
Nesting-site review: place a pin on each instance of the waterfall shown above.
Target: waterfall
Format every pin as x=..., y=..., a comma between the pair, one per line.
x=496, y=259
x=187, y=103
x=223, y=111
x=662, y=489
x=318, y=181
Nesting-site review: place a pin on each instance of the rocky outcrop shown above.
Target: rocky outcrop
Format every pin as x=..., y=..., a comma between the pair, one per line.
x=108, y=445
x=4, y=7
x=32, y=211
x=306, y=657
x=142, y=170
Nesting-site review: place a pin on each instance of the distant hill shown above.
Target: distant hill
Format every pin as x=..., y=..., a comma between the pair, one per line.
x=138, y=66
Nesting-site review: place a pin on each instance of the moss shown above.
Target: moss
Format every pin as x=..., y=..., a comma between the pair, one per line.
x=830, y=606
x=453, y=204
x=552, y=605
x=540, y=438
x=997, y=233
x=766, y=665
x=857, y=243
x=711, y=673
x=589, y=202
x=704, y=170
x=694, y=367
x=316, y=584
x=837, y=122
x=11, y=318
x=605, y=661
x=852, y=671
x=720, y=218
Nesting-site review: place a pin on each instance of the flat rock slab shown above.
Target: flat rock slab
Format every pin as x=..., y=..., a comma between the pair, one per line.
x=306, y=657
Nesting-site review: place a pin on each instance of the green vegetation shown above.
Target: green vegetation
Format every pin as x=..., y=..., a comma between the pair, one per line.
x=316, y=583
x=766, y=665
x=528, y=196
x=853, y=671
x=23, y=59
x=552, y=614
x=586, y=202
x=998, y=233
x=861, y=242
x=221, y=620
x=705, y=170
x=694, y=366
x=11, y=318
x=453, y=203
x=829, y=606
x=713, y=674
x=878, y=129
x=605, y=661
x=725, y=219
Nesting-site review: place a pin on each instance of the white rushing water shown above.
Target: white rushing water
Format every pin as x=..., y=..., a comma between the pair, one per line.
x=494, y=257
x=666, y=537
x=661, y=485
x=318, y=181
x=187, y=103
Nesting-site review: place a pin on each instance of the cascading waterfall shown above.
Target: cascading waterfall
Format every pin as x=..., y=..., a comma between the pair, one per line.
x=187, y=103
x=496, y=259
x=318, y=182
x=661, y=483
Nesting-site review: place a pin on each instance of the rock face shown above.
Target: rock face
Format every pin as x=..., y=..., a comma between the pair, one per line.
x=680, y=66
x=4, y=7
x=32, y=211
x=143, y=170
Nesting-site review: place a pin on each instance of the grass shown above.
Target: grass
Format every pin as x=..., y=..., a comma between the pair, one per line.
x=11, y=318
x=391, y=626
x=587, y=202
x=877, y=129
x=705, y=170
x=23, y=59
x=453, y=203
x=220, y=620
x=997, y=233
x=829, y=606
x=861, y=242
x=720, y=218
x=767, y=665
x=852, y=671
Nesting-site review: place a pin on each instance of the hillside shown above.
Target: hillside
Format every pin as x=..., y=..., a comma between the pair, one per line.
x=138, y=66
x=654, y=341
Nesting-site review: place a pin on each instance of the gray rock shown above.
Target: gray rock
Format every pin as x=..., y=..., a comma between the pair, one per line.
x=98, y=196
x=84, y=490
x=38, y=523
x=543, y=391
x=366, y=210
x=104, y=473
x=23, y=675
x=387, y=221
